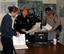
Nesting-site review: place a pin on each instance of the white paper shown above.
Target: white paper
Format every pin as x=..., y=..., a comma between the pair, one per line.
x=19, y=42
x=48, y=27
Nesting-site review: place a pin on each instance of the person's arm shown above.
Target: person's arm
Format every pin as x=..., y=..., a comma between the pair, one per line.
x=57, y=20
x=8, y=26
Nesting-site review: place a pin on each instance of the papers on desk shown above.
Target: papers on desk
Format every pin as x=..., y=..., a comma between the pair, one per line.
x=19, y=42
x=47, y=27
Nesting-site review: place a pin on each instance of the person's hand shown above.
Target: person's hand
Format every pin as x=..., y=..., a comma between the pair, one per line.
x=17, y=33
x=50, y=30
x=23, y=30
x=26, y=32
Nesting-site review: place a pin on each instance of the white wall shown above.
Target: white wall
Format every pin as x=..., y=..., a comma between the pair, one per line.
x=46, y=1
x=5, y=4
x=49, y=1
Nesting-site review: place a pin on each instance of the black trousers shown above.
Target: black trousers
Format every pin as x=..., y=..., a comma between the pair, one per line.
x=7, y=45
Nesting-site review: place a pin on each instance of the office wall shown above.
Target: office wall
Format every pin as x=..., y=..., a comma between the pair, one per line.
x=49, y=1
x=44, y=1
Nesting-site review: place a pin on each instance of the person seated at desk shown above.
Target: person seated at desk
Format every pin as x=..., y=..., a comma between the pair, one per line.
x=53, y=20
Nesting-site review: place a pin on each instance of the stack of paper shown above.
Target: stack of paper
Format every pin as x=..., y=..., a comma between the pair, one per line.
x=19, y=42
x=21, y=47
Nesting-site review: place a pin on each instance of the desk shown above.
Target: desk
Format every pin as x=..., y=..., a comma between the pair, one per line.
x=50, y=49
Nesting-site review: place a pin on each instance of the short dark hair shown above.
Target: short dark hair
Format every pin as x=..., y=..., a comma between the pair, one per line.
x=12, y=9
x=48, y=9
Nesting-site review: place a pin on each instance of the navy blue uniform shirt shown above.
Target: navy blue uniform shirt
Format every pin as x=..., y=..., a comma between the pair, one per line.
x=6, y=27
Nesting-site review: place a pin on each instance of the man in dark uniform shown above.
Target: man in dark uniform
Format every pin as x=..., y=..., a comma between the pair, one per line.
x=24, y=23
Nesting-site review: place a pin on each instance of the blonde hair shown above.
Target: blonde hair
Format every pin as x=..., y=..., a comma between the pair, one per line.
x=25, y=8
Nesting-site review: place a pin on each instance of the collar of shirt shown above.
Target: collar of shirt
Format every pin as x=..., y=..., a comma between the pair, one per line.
x=13, y=19
x=10, y=14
